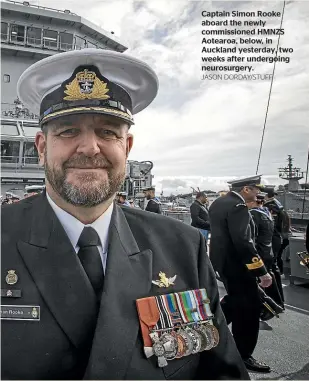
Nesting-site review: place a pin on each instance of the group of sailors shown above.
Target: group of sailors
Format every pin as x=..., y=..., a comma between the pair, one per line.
x=248, y=226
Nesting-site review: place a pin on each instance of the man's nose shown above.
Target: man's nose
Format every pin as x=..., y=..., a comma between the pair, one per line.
x=88, y=144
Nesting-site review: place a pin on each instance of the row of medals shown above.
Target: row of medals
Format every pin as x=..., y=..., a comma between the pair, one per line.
x=184, y=341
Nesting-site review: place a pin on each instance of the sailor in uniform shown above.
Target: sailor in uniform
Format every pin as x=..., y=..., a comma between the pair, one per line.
x=153, y=204
x=235, y=258
x=90, y=289
x=122, y=199
x=264, y=228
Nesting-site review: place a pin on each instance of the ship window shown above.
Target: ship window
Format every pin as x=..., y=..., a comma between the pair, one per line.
x=30, y=153
x=30, y=132
x=91, y=44
x=4, y=31
x=10, y=130
x=80, y=43
x=9, y=151
x=17, y=33
x=66, y=41
x=6, y=78
x=50, y=39
x=34, y=36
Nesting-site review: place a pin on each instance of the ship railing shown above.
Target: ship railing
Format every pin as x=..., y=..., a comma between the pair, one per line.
x=10, y=160
x=30, y=160
x=32, y=41
x=65, y=46
x=23, y=162
x=26, y=3
x=16, y=111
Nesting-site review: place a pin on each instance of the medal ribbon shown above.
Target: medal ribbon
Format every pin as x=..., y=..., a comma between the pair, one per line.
x=185, y=306
x=203, y=304
x=165, y=318
x=170, y=301
x=196, y=314
x=148, y=315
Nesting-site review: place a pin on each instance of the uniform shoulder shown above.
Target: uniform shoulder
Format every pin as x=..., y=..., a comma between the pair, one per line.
x=12, y=211
x=228, y=201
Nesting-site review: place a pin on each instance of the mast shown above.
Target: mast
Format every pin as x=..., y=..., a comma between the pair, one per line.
x=292, y=174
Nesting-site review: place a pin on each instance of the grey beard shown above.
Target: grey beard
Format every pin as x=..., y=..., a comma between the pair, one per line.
x=87, y=195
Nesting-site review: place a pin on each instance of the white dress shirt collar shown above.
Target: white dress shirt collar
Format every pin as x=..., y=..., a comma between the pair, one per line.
x=240, y=196
x=73, y=227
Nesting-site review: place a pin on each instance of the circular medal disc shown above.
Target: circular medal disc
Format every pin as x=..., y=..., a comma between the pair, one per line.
x=196, y=338
x=215, y=334
x=182, y=347
x=170, y=344
x=158, y=349
x=188, y=341
x=204, y=338
x=209, y=336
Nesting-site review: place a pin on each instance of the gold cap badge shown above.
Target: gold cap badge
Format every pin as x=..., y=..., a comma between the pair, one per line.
x=86, y=85
x=11, y=277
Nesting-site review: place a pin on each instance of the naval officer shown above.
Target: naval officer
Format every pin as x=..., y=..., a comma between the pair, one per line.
x=75, y=264
x=235, y=258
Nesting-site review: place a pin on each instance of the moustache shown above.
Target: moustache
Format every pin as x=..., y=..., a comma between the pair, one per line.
x=86, y=162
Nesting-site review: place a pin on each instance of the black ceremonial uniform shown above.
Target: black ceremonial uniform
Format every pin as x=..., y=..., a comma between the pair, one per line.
x=67, y=337
x=234, y=257
x=264, y=228
x=277, y=211
x=154, y=206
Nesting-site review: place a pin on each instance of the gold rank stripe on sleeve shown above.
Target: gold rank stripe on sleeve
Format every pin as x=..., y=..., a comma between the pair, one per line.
x=255, y=265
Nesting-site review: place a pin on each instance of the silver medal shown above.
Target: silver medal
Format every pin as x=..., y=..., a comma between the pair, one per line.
x=208, y=336
x=170, y=344
x=158, y=349
x=196, y=339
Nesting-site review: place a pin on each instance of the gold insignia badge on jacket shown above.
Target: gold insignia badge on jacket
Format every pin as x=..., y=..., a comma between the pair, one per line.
x=177, y=325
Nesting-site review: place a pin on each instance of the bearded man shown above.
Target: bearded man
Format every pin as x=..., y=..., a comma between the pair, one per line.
x=90, y=289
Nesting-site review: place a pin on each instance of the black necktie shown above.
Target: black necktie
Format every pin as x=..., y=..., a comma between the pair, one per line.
x=90, y=258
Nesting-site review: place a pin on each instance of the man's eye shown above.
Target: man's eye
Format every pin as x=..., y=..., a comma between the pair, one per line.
x=69, y=132
x=107, y=134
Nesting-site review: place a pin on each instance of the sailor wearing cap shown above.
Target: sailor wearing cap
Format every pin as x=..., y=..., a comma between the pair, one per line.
x=235, y=258
x=122, y=199
x=153, y=204
x=76, y=260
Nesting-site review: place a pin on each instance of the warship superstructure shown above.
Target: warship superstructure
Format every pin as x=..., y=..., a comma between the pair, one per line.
x=30, y=33
x=294, y=196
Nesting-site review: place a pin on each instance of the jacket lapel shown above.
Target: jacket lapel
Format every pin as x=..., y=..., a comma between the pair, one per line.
x=58, y=274
x=128, y=277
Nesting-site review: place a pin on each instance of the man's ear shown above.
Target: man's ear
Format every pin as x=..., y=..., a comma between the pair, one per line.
x=40, y=143
x=129, y=144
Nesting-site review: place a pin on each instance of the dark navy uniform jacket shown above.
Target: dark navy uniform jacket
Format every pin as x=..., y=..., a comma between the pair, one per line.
x=199, y=216
x=154, y=206
x=232, y=250
x=72, y=339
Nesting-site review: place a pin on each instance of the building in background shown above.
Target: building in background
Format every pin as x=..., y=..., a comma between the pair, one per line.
x=30, y=33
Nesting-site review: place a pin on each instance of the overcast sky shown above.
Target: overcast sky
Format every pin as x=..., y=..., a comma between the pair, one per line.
x=202, y=133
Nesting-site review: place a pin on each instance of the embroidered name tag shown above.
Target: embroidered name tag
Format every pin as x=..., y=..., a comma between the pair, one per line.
x=20, y=312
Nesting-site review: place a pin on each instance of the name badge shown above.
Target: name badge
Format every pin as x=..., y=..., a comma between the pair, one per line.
x=31, y=313
x=10, y=293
